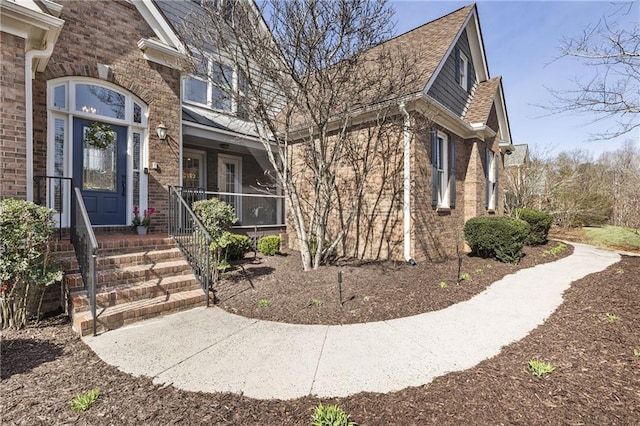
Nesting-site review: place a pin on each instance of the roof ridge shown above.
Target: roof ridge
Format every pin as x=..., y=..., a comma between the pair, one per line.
x=470, y=5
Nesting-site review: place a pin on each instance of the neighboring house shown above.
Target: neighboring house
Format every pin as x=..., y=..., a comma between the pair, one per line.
x=525, y=180
x=68, y=64
x=444, y=167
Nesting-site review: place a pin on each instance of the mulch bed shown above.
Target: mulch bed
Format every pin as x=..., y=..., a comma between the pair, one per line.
x=275, y=288
x=596, y=380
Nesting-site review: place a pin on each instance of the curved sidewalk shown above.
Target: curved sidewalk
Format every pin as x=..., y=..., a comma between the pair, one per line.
x=210, y=350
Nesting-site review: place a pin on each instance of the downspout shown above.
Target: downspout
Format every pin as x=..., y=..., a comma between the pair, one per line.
x=29, y=75
x=407, y=184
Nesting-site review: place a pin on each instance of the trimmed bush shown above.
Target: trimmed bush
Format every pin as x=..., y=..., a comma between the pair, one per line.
x=499, y=237
x=540, y=223
x=237, y=246
x=26, y=266
x=216, y=216
x=269, y=245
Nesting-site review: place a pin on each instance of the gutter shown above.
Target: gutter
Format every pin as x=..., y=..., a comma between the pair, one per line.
x=28, y=95
x=407, y=184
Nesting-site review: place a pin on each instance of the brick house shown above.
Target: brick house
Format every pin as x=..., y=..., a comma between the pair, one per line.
x=441, y=165
x=71, y=69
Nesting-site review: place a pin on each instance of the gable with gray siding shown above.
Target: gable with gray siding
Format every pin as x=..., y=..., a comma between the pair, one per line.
x=445, y=89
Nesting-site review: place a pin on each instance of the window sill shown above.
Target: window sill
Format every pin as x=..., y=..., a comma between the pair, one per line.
x=443, y=210
x=491, y=211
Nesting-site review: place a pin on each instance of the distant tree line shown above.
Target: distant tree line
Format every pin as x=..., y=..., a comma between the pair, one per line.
x=578, y=190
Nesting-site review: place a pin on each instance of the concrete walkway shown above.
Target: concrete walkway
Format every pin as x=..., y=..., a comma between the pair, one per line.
x=211, y=350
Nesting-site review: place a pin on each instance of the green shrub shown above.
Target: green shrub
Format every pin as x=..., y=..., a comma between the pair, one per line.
x=237, y=246
x=269, y=245
x=540, y=223
x=331, y=415
x=497, y=236
x=216, y=216
x=26, y=268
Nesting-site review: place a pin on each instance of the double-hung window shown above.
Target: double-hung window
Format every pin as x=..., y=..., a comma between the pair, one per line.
x=464, y=71
x=443, y=179
x=491, y=175
x=218, y=86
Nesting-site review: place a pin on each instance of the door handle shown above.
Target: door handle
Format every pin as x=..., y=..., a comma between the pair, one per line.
x=124, y=186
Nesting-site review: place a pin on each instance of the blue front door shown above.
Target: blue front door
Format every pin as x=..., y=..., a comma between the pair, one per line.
x=101, y=173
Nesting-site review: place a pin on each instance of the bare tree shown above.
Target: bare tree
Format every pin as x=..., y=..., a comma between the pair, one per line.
x=317, y=86
x=623, y=183
x=613, y=91
x=527, y=185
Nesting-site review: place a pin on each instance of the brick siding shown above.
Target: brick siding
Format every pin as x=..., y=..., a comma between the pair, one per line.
x=107, y=33
x=13, y=153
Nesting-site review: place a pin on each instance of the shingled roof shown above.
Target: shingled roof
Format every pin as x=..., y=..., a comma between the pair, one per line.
x=480, y=105
x=430, y=43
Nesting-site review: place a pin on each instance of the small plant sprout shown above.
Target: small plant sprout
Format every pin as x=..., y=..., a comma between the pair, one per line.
x=366, y=298
x=465, y=276
x=443, y=284
x=479, y=271
x=83, y=401
x=612, y=318
x=330, y=415
x=264, y=303
x=487, y=266
x=619, y=271
x=636, y=352
x=539, y=368
x=315, y=302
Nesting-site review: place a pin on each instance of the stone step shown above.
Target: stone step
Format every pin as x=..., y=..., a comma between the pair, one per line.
x=132, y=274
x=117, y=316
x=112, y=296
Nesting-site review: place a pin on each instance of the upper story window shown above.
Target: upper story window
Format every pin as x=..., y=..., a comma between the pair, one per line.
x=464, y=71
x=217, y=86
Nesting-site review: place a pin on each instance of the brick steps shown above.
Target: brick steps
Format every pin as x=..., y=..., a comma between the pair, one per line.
x=139, y=277
x=117, y=316
x=114, y=295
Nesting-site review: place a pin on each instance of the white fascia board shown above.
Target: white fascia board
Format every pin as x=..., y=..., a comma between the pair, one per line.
x=201, y=131
x=476, y=43
x=27, y=23
x=443, y=116
x=39, y=30
x=159, y=24
x=503, y=118
x=162, y=54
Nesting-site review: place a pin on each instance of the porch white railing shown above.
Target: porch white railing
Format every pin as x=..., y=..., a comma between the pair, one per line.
x=253, y=210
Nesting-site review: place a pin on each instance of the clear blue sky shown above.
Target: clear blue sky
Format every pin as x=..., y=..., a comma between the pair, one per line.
x=521, y=38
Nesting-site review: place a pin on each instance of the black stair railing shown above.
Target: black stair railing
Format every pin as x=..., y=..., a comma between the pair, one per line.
x=85, y=246
x=191, y=237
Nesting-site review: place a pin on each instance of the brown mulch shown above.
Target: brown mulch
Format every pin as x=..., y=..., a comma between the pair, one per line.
x=373, y=291
x=596, y=381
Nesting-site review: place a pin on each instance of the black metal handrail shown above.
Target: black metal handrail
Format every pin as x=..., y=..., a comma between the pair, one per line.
x=191, y=237
x=53, y=185
x=85, y=246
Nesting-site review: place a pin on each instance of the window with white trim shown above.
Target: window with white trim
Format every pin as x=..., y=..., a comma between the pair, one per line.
x=216, y=85
x=464, y=71
x=491, y=175
x=443, y=181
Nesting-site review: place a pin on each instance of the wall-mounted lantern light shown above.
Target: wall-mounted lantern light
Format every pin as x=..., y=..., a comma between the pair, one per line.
x=161, y=130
